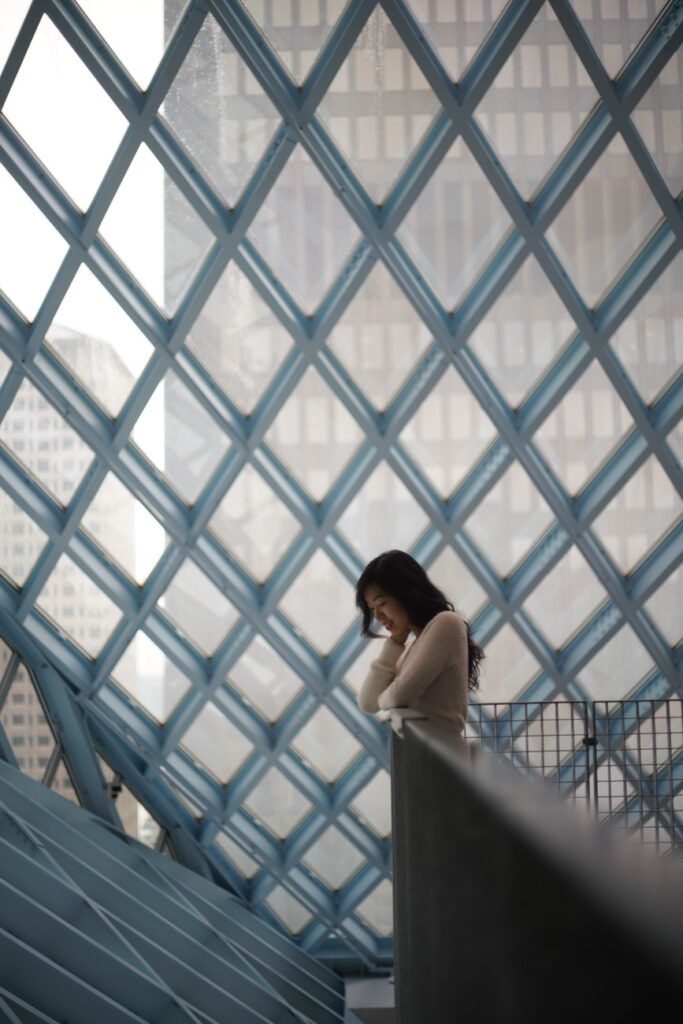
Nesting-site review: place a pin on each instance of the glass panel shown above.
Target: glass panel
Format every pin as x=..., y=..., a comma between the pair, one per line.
x=155, y=232
x=377, y=909
x=320, y=603
x=62, y=783
x=379, y=337
x=373, y=804
x=357, y=671
x=603, y=223
x=265, y=680
x=448, y=433
x=253, y=524
x=78, y=606
x=5, y=364
x=44, y=443
x=298, y=33
x=219, y=111
x=198, y=608
x=583, y=428
x=303, y=230
x=649, y=342
x=537, y=102
x=124, y=529
x=453, y=577
x=11, y=19
x=508, y=521
x=136, y=32
x=25, y=232
x=314, y=434
x=239, y=339
x=150, y=678
x=277, y=803
x=326, y=745
x=659, y=119
x=25, y=725
x=675, y=440
x=455, y=224
x=21, y=541
x=565, y=598
x=507, y=669
x=216, y=743
x=177, y=434
x=74, y=128
x=5, y=654
x=293, y=914
x=615, y=27
x=639, y=515
x=245, y=864
x=456, y=29
x=333, y=858
x=522, y=333
x=136, y=819
x=617, y=667
x=665, y=608
x=382, y=515
x=98, y=342
x=379, y=105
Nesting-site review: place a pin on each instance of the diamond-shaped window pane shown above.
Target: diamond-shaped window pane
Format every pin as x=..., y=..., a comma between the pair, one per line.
x=507, y=669
x=333, y=858
x=453, y=577
x=565, y=598
x=245, y=864
x=155, y=232
x=25, y=232
x=615, y=28
x=239, y=339
x=379, y=105
x=265, y=680
x=314, y=434
x=382, y=515
x=665, y=608
x=537, y=102
x=98, y=342
x=50, y=450
x=617, y=667
x=196, y=605
x=448, y=433
x=326, y=745
x=373, y=804
x=125, y=24
x=456, y=30
x=289, y=910
x=377, y=909
x=12, y=18
x=78, y=606
x=150, y=678
x=216, y=743
x=603, y=223
x=297, y=32
x=455, y=224
x=320, y=603
x=358, y=670
x=25, y=725
x=583, y=428
x=180, y=437
x=277, y=803
x=659, y=119
x=303, y=230
x=21, y=541
x=75, y=128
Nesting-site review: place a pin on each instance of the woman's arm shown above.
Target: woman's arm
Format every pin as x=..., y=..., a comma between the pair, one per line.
x=444, y=643
x=381, y=673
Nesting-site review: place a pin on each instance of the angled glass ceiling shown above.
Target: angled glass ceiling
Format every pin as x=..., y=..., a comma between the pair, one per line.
x=341, y=278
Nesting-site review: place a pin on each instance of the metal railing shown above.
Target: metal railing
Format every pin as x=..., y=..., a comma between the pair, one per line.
x=622, y=760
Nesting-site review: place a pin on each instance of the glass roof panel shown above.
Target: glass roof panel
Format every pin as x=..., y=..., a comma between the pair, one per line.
x=62, y=783
x=24, y=723
x=155, y=232
x=43, y=442
x=448, y=433
x=78, y=606
x=180, y=438
x=358, y=669
x=303, y=230
x=379, y=105
x=198, y=608
x=5, y=364
x=452, y=576
x=147, y=675
x=136, y=819
x=615, y=27
x=320, y=602
x=583, y=428
x=76, y=128
x=21, y=541
x=509, y=519
x=456, y=29
x=377, y=909
x=216, y=743
x=617, y=667
x=373, y=803
x=508, y=668
x=296, y=32
x=606, y=219
x=314, y=434
x=522, y=334
x=382, y=515
x=136, y=32
x=565, y=598
x=665, y=608
x=379, y=337
x=265, y=680
x=23, y=279
x=659, y=119
x=675, y=440
x=289, y=910
x=333, y=858
x=239, y=339
x=539, y=98
x=12, y=18
x=326, y=745
x=455, y=224
x=245, y=864
x=219, y=111
x=278, y=804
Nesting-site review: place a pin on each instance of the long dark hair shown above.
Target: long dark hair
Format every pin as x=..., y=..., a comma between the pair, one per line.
x=401, y=577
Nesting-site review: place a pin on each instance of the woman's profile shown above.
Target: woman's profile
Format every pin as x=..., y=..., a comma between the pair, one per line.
x=433, y=674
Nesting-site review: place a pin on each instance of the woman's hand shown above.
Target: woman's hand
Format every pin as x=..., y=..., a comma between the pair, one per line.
x=399, y=636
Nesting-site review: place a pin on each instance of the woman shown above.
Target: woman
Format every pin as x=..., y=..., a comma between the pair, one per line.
x=434, y=673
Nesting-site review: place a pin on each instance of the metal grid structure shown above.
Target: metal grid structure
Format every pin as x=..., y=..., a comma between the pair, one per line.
x=243, y=733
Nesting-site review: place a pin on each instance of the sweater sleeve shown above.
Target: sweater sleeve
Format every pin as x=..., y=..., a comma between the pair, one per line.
x=445, y=644
x=382, y=671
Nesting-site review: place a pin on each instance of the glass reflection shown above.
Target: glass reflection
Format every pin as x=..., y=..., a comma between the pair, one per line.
x=296, y=32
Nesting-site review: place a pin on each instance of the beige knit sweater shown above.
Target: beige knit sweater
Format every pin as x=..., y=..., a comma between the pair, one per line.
x=430, y=675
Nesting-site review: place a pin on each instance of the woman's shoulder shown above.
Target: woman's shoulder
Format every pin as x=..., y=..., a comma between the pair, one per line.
x=447, y=622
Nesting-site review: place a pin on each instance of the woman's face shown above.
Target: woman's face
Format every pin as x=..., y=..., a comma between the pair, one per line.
x=388, y=611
